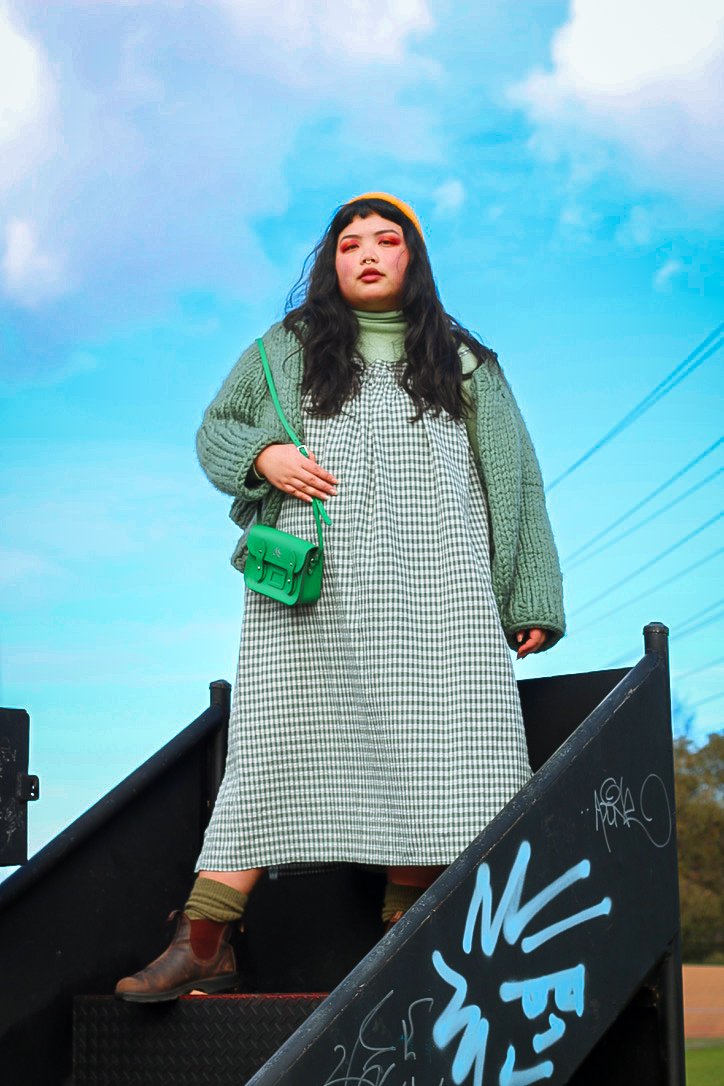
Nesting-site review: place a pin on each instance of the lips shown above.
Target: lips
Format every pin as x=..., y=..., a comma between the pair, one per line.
x=370, y=276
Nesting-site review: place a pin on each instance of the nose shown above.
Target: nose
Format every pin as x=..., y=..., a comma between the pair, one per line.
x=368, y=256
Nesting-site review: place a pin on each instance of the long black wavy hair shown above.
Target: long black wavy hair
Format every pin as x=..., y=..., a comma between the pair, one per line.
x=327, y=328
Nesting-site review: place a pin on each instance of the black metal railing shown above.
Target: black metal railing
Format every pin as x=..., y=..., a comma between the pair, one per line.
x=556, y=932
x=447, y=994
x=70, y=918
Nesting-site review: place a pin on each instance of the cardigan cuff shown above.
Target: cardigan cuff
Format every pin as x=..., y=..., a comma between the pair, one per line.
x=250, y=484
x=227, y=452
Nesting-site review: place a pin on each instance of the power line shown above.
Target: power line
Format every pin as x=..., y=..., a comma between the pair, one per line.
x=652, y=562
x=644, y=501
x=700, y=614
x=678, y=633
x=677, y=375
x=698, y=668
x=649, y=518
x=705, y=701
x=654, y=588
x=693, y=629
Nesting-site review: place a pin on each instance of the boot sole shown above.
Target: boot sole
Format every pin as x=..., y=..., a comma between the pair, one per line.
x=207, y=987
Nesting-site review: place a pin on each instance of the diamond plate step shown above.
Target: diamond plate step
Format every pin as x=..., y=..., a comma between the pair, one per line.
x=221, y=1039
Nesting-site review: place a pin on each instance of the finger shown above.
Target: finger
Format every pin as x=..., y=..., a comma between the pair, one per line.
x=315, y=483
x=320, y=473
x=536, y=640
x=314, y=492
x=310, y=485
x=302, y=489
x=310, y=464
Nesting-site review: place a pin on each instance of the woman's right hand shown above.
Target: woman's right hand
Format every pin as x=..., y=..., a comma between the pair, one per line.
x=301, y=476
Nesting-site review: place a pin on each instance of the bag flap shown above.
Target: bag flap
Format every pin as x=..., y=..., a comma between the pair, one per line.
x=282, y=549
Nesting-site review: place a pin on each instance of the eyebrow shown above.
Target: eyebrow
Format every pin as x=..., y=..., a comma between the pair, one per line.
x=390, y=230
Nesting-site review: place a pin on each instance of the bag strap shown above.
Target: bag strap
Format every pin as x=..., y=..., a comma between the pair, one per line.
x=320, y=513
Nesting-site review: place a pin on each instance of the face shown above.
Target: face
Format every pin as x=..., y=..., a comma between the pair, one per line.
x=371, y=262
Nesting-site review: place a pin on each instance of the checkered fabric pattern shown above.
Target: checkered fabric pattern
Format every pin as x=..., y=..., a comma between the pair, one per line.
x=383, y=725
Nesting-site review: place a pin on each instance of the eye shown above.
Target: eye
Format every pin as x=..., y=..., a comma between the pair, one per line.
x=348, y=246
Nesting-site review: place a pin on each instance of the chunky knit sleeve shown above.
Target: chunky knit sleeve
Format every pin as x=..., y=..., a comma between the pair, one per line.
x=536, y=598
x=231, y=435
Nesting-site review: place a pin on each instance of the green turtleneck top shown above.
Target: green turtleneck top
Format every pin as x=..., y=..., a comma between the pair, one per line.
x=381, y=335
x=382, y=338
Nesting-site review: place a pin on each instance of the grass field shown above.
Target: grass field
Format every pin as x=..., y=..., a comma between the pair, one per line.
x=705, y=1063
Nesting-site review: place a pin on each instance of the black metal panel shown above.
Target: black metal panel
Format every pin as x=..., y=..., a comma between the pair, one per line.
x=554, y=707
x=630, y=1052
x=15, y=790
x=219, y=1040
x=85, y=910
x=524, y=952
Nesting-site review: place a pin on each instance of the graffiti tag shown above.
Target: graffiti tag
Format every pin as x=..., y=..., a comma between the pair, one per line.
x=614, y=806
x=370, y=1064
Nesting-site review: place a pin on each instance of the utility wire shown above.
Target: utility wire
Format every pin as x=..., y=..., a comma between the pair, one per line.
x=705, y=701
x=700, y=667
x=652, y=562
x=644, y=501
x=682, y=631
x=648, y=519
x=648, y=591
x=699, y=614
x=677, y=375
x=693, y=629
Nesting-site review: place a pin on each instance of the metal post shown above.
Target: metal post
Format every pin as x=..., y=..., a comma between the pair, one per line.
x=220, y=695
x=656, y=639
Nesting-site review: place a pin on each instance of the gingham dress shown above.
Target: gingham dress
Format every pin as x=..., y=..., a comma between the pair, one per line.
x=383, y=724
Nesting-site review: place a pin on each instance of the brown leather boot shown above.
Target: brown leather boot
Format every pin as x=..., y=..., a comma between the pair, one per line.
x=199, y=957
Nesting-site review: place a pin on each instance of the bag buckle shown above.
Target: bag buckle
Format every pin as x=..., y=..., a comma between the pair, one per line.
x=303, y=450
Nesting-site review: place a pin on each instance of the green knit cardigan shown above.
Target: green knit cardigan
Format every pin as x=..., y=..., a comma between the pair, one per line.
x=526, y=577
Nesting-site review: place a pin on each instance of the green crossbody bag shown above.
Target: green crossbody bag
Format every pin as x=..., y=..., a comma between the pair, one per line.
x=281, y=565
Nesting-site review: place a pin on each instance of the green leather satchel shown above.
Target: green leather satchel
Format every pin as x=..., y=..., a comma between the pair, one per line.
x=281, y=565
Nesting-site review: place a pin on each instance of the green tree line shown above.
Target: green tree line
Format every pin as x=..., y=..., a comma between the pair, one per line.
x=699, y=776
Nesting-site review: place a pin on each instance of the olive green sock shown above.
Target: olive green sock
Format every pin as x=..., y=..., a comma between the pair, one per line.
x=212, y=900
x=398, y=899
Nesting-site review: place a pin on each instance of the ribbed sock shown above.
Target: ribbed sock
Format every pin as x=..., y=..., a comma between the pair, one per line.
x=212, y=900
x=398, y=899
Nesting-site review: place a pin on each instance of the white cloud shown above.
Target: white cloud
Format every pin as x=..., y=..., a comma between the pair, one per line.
x=347, y=60
x=641, y=78
x=355, y=30
x=30, y=274
x=578, y=221
x=449, y=197
x=667, y=273
x=638, y=228
x=27, y=97
x=160, y=129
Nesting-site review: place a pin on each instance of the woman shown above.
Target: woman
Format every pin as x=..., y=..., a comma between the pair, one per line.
x=382, y=724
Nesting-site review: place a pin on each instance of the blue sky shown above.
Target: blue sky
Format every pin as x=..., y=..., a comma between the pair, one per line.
x=164, y=170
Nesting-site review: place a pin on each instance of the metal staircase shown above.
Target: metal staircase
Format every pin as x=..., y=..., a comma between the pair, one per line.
x=547, y=952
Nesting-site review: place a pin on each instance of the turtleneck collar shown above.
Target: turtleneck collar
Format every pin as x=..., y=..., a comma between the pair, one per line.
x=378, y=320
x=381, y=335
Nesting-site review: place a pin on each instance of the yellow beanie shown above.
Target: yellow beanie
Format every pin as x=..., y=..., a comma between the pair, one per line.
x=399, y=204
